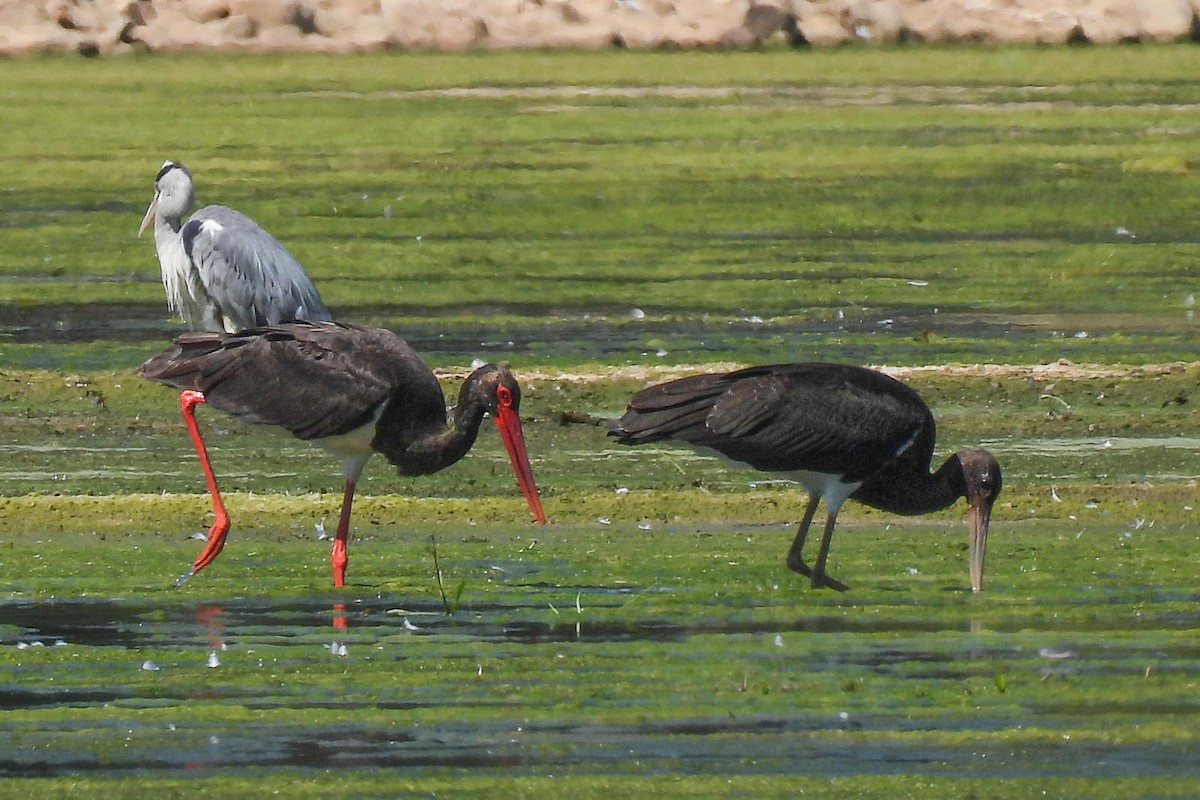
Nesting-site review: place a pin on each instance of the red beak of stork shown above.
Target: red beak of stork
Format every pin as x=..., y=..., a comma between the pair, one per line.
x=509, y=423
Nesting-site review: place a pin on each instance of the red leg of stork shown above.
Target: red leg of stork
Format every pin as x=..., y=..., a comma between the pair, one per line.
x=220, y=526
x=338, y=556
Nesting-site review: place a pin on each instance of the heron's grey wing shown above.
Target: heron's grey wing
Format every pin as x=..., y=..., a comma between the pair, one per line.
x=250, y=278
x=313, y=379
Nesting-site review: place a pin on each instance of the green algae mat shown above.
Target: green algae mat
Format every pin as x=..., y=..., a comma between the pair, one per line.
x=1011, y=231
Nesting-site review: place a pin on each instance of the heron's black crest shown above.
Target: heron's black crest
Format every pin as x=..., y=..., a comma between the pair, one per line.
x=166, y=167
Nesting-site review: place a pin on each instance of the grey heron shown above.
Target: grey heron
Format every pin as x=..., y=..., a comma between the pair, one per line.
x=220, y=269
x=222, y=272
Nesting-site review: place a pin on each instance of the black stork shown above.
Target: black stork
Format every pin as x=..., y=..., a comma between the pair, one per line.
x=353, y=390
x=840, y=431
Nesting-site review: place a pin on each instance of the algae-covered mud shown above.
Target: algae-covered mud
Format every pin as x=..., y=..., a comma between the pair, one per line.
x=1009, y=231
x=611, y=657
x=901, y=206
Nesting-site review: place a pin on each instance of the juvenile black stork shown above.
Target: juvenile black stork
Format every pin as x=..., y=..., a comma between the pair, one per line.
x=840, y=431
x=353, y=390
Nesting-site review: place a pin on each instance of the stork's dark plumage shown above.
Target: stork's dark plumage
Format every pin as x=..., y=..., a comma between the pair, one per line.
x=351, y=389
x=841, y=431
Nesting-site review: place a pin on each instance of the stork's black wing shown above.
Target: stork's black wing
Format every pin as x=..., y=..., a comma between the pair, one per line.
x=832, y=418
x=314, y=379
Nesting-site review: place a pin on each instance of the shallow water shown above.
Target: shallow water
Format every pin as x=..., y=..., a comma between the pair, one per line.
x=869, y=687
x=534, y=333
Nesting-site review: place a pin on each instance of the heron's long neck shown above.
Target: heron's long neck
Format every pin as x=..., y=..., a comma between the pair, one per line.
x=173, y=264
x=166, y=232
x=913, y=491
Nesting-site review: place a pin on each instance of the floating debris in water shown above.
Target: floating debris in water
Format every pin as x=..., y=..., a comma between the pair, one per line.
x=1057, y=653
x=637, y=313
x=150, y=666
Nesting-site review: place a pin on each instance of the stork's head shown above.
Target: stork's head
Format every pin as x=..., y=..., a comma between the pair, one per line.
x=495, y=390
x=981, y=473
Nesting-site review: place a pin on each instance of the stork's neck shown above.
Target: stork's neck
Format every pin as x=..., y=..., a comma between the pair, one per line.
x=914, y=491
x=422, y=452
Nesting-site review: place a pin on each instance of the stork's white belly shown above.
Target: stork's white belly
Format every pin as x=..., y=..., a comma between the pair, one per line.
x=353, y=448
x=830, y=488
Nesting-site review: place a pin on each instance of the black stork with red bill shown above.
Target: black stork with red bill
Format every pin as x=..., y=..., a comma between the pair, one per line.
x=840, y=431
x=353, y=390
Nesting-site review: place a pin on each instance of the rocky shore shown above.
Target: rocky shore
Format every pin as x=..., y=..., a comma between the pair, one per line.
x=104, y=27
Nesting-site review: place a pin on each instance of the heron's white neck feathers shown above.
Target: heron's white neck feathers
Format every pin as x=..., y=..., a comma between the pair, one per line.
x=180, y=281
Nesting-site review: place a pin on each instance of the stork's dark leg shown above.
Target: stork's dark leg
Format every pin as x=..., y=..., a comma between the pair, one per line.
x=338, y=556
x=795, y=560
x=220, y=526
x=819, y=578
